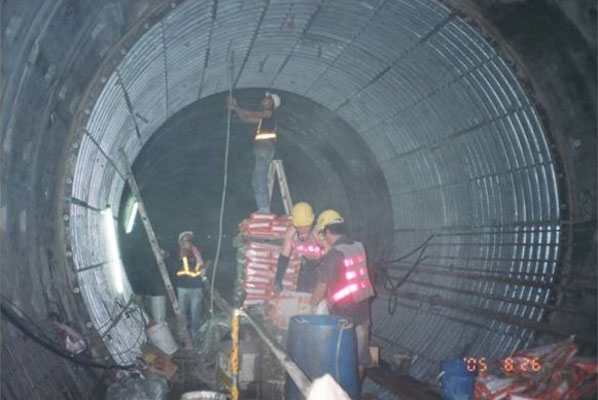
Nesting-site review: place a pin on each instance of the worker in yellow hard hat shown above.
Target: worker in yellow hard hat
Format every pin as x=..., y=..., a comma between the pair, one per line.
x=299, y=239
x=344, y=280
x=264, y=141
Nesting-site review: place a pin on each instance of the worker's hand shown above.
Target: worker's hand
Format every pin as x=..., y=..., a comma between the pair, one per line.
x=278, y=288
x=232, y=103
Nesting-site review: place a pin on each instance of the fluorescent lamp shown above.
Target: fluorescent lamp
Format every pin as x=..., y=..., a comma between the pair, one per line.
x=132, y=216
x=116, y=268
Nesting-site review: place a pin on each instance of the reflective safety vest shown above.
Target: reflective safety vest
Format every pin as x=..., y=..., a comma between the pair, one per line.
x=353, y=284
x=307, y=248
x=185, y=271
x=266, y=129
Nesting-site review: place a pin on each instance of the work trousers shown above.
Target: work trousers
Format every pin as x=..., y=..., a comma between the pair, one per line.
x=264, y=153
x=190, y=300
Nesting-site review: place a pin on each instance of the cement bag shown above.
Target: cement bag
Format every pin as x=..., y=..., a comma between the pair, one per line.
x=151, y=388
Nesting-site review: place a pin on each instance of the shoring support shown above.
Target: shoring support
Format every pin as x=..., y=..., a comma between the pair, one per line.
x=234, y=356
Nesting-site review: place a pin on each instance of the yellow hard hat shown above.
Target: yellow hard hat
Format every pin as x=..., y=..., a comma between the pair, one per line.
x=303, y=214
x=328, y=217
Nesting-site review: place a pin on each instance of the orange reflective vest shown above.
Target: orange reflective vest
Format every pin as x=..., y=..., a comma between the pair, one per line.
x=353, y=283
x=267, y=130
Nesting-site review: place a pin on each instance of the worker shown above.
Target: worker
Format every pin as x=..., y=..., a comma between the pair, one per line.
x=264, y=144
x=299, y=239
x=189, y=274
x=344, y=280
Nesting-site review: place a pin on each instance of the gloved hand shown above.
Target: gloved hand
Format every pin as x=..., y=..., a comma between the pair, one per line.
x=278, y=287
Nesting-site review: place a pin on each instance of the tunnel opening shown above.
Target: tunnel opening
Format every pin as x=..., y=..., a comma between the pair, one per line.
x=179, y=171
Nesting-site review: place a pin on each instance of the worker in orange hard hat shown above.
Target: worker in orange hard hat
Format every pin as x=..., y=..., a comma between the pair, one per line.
x=299, y=239
x=264, y=141
x=344, y=280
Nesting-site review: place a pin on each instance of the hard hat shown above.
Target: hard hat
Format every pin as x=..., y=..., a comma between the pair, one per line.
x=275, y=99
x=182, y=235
x=303, y=214
x=328, y=217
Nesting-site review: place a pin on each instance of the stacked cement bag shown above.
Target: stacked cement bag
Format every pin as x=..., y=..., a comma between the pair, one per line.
x=268, y=226
x=260, y=268
x=258, y=256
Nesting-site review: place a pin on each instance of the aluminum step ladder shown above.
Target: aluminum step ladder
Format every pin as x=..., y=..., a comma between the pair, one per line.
x=277, y=169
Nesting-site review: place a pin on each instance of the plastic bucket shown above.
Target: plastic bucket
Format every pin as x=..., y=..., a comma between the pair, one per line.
x=203, y=395
x=160, y=336
x=157, y=306
x=457, y=382
x=323, y=344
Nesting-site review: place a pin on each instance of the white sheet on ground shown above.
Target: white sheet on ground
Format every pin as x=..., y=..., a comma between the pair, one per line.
x=326, y=387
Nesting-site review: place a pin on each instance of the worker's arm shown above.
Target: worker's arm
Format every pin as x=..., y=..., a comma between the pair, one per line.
x=318, y=295
x=283, y=258
x=248, y=115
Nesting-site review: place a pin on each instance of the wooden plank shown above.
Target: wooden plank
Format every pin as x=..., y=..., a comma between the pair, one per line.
x=403, y=385
x=156, y=249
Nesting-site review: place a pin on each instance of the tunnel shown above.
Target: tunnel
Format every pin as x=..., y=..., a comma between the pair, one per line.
x=456, y=137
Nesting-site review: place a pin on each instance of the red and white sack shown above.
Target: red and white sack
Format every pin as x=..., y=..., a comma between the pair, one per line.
x=256, y=216
x=495, y=388
x=552, y=356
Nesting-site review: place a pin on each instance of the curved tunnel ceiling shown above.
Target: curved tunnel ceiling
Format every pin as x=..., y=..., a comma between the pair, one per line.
x=459, y=144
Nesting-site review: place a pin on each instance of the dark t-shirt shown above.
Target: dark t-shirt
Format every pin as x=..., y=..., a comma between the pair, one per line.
x=177, y=264
x=329, y=274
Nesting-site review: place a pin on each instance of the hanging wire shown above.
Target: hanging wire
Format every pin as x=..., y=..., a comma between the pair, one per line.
x=224, y=184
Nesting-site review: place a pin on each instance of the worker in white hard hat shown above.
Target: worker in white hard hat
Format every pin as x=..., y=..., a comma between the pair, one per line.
x=189, y=274
x=300, y=240
x=264, y=144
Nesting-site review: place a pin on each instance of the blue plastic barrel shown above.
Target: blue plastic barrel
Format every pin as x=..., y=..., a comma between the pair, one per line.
x=323, y=344
x=457, y=382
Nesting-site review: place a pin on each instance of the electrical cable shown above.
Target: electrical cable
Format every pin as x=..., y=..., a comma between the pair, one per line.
x=224, y=185
x=23, y=315
x=387, y=279
x=19, y=323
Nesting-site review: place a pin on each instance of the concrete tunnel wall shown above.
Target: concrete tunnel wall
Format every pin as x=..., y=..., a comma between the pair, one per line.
x=478, y=143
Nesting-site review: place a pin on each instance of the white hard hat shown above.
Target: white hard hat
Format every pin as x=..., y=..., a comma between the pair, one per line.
x=183, y=234
x=275, y=99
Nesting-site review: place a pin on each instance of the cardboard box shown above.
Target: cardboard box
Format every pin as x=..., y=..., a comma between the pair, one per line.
x=157, y=362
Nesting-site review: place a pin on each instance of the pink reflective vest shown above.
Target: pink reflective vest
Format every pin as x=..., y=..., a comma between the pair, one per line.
x=354, y=283
x=307, y=248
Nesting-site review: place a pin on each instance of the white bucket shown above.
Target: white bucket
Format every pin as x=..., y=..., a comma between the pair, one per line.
x=160, y=336
x=203, y=395
x=157, y=307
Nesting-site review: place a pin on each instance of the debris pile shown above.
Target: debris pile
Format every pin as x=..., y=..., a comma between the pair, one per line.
x=548, y=372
